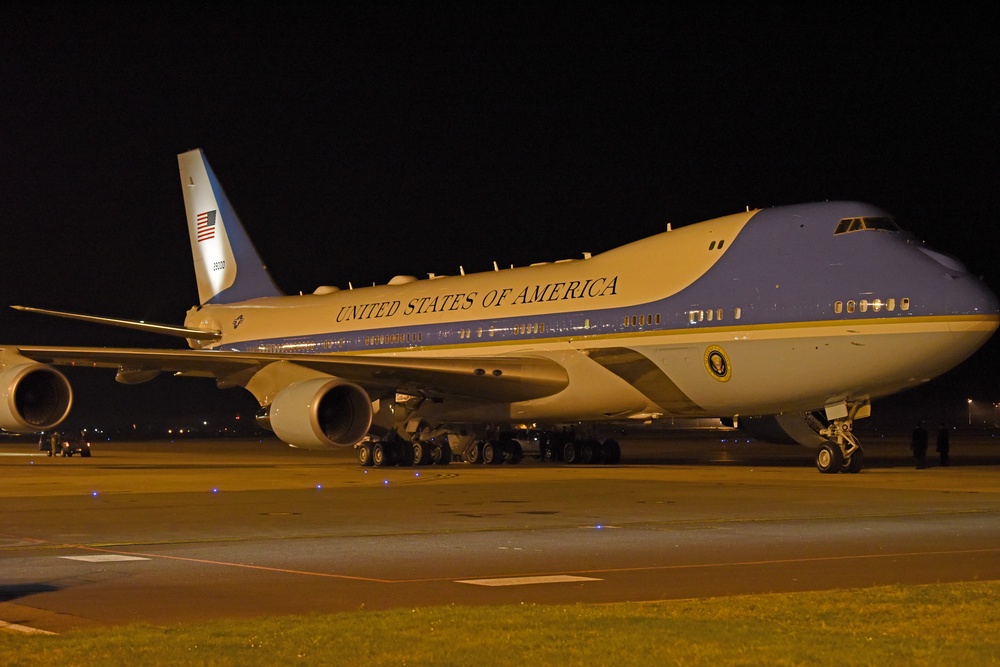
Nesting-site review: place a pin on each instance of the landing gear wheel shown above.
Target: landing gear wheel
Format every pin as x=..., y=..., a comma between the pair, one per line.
x=512, y=452
x=405, y=454
x=421, y=453
x=365, y=455
x=611, y=452
x=856, y=462
x=829, y=458
x=441, y=455
x=380, y=458
x=570, y=452
x=474, y=453
x=492, y=453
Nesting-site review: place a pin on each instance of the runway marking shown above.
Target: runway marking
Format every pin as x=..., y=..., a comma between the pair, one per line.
x=104, y=558
x=527, y=581
x=611, y=570
x=24, y=628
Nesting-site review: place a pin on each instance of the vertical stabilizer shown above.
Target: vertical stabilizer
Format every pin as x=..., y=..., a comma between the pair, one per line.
x=226, y=264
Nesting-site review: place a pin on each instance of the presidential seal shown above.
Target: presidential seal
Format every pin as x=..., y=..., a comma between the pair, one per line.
x=717, y=363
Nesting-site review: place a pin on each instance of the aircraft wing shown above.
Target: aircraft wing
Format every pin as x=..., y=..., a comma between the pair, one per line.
x=493, y=379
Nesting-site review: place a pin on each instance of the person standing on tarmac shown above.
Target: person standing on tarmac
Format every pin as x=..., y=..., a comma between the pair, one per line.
x=943, y=444
x=919, y=446
x=49, y=444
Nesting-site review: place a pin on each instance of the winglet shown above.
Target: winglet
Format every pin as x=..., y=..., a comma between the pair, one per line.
x=151, y=327
x=226, y=264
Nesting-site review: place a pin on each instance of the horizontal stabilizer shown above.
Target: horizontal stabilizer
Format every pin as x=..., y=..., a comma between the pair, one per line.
x=166, y=329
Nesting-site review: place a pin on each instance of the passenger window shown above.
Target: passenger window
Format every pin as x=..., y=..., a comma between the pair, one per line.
x=838, y=307
x=904, y=304
x=850, y=306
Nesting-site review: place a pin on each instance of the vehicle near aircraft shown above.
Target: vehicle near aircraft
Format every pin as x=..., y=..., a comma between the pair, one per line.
x=55, y=444
x=71, y=446
x=786, y=321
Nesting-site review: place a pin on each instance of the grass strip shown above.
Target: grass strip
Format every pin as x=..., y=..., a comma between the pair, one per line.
x=954, y=624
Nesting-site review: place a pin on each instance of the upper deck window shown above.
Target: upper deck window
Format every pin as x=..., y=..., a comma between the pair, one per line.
x=858, y=224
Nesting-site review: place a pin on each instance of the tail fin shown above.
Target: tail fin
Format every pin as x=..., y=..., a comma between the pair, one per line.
x=219, y=244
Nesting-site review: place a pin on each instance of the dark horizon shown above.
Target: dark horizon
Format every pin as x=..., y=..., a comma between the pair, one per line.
x=381, y=139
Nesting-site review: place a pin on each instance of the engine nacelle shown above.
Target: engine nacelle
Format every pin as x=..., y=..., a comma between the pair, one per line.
x=320, y=413
x=791, y=428
x=33, y=397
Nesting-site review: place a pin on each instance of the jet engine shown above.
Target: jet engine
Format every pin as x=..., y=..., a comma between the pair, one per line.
x=34, y=397
x=789, y=428
x=320, y=413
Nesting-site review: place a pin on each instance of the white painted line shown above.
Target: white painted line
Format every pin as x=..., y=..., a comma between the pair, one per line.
x=527, y=581
x=24, y=628
x=103, y=558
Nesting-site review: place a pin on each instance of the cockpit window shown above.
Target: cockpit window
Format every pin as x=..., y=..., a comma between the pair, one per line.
x=857, y=224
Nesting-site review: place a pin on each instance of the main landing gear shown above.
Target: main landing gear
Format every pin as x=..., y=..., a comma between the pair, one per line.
x=509, y=449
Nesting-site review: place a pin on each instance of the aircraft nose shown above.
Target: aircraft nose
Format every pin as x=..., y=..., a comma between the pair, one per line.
x=970, y=296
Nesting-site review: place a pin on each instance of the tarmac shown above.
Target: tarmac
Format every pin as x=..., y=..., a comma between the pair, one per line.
x=176, y=532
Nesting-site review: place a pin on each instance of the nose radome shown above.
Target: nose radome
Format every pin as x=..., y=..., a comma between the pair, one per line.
x=969, y=295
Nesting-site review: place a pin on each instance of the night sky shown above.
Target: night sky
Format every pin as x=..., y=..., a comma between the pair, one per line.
x=381, y=139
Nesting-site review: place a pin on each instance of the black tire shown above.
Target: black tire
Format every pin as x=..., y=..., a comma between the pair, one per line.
x=380, y=458
x=441, y=454
x=571, y=452
x=474, y=452
x=829, y=458
x=404, y=454
x=85, y=453
x=611, y=452
x=857, y=462
x=365, y=455
x=513, y=453
x=492, y=453
x=421, y=453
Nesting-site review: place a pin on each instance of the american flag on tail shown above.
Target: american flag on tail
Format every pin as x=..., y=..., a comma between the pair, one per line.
x=206, y=226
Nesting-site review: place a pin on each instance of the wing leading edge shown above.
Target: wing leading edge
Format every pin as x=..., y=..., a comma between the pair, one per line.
x=494, y=379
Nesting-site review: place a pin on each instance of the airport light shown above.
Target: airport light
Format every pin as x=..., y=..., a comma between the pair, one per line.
x=970, y=412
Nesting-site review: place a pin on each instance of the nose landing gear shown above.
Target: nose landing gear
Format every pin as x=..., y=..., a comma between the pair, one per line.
x=842, y=452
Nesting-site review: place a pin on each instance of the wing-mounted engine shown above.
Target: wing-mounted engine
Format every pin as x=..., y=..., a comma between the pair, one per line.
x=791, y=428
x=319, y=413
x=35, y=397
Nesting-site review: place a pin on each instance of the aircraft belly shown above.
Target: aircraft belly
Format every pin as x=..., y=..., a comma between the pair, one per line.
x=771, y=374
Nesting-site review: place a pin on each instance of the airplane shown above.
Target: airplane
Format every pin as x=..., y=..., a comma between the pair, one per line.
x=788, y=320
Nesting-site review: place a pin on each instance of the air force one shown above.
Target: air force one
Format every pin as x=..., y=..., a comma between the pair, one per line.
x=788, y=320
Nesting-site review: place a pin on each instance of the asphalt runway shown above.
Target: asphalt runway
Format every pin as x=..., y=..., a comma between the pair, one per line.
x=179, y=532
